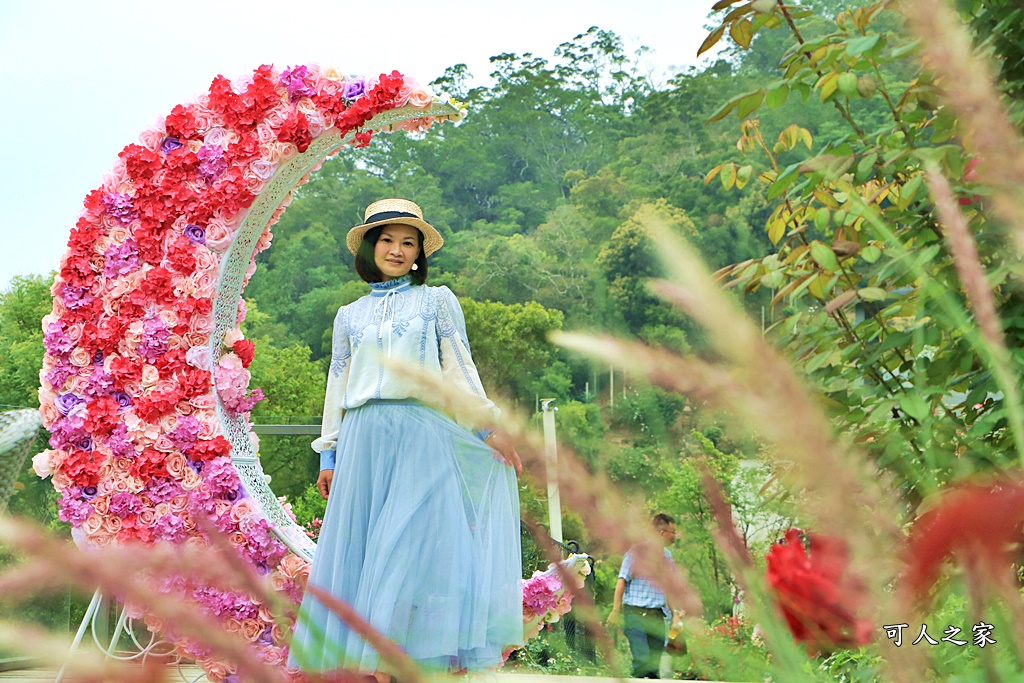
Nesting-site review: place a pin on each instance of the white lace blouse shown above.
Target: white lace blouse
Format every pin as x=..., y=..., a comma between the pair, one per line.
x=417, y=324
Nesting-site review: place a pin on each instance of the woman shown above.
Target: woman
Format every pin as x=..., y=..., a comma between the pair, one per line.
x=421, y=533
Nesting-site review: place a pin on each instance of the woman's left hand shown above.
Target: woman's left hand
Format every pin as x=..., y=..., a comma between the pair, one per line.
x=500, y=441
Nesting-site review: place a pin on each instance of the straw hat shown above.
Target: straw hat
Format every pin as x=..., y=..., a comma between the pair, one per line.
x=389, y=212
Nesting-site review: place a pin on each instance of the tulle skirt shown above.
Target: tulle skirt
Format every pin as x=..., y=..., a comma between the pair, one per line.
x=421, y=537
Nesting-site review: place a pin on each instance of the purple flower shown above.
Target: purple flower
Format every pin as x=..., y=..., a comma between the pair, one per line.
x=75, y=297
x=170, y=144
x=122, y=398
x=72, y=509
x=56, y=341
x=121, y=259
x=84, y=443
x=66, y=402
x=120, y=207
x=89, y=492
x=60, y=372
x=125, y=504
x=354, y=88
x=212, y=163
x=154, y=339
x=119, y=443
x=185, y=432
x=195, y=234
x=97, y=358
x=220, y=475
x=171, y=528
x=294, y=81
x=100, y=383
x=266, y=637
x=162, y=490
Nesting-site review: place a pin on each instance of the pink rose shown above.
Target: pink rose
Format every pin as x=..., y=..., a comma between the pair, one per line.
x=133, y=389
x=221, y=507
x=197, y=543
x=168, y=316
x=242, y=509
x=176, y=464
x=194, y=339
x=253, y=183
x=105, y=487
x=265, y=134
x=215, y=671
x=60, y=480
x=291, y=565
x=280, y=582
x=162, y=509
x=251, y=629
x=147, y=517
x=48, y=412
x=118, y=234
x=183, y=407
x=420, y=98
x=190, y=479
x=179, y=503
x=205, y=402
x=112, y=525
x=233, y=336
x=236, y=538
x=198, y=357
x=201, y=324
x=271, y=655
x=92, y=524
x=150, y=375
x=163, y=444
x=80, y=357
x=151, y=138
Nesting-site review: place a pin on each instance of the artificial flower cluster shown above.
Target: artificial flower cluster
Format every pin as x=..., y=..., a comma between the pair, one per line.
x=130, y=386
x=545, y=599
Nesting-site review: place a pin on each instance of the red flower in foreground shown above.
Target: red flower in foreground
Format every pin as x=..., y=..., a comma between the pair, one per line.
x=816, y=596
x=246, y=351
x=979, y=522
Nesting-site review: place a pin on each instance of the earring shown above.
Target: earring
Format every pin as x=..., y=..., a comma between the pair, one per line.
x=415, y=266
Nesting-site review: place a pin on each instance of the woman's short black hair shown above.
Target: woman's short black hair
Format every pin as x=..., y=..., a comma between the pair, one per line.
x=367, y=269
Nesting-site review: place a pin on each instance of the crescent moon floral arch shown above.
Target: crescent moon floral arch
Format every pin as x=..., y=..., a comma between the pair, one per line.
x=145, y=381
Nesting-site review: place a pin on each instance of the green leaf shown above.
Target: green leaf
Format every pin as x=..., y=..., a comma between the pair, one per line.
x=749, y=103
x=914, y=406
x=741, y=32
x=870, y=253
x=784, y=181
x=824, y=256
x=872, y=293
x=859, y=46
x=710, y=41
x=776, y=97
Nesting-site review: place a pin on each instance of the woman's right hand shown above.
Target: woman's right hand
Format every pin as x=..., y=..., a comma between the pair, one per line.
x=323, y=482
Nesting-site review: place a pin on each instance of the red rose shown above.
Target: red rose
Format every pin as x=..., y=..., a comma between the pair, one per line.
x=815, y=594
x=246, y=350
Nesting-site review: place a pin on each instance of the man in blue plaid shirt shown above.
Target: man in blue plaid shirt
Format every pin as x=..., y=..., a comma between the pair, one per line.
x=643, y=607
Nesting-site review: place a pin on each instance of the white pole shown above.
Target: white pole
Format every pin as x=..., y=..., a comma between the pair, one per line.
x=611, y=386
x=551, y=464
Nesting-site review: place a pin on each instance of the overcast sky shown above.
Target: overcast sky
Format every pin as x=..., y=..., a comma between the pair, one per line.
x=80, y=79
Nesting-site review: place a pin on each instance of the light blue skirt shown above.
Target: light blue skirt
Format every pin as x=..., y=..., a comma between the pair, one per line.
x=421, y=537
